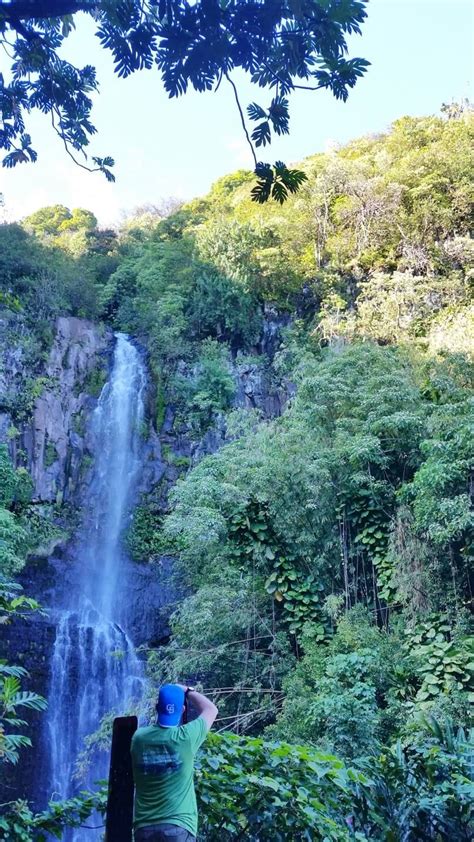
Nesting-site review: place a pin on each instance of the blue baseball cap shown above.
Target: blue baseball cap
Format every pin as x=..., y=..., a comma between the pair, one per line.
x=170, y=705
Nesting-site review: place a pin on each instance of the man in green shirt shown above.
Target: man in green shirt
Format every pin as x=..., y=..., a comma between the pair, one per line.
x=163, y=767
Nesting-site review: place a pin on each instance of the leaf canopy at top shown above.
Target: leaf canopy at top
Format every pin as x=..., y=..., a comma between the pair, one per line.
x=280, y=44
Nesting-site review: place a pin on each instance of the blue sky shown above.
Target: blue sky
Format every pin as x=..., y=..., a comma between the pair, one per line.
x=421, y=53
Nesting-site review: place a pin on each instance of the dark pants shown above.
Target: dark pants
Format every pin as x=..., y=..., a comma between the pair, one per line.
x=163, y=833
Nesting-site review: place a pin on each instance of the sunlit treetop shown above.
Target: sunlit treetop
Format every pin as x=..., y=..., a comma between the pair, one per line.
x=281, y=44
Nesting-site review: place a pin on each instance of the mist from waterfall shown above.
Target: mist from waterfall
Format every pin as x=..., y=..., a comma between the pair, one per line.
x=94, y=669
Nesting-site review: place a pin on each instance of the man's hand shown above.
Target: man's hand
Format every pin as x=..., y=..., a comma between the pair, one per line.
x=203, y=705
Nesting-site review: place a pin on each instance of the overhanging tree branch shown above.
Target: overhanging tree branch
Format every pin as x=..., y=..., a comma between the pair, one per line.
x=192, y=45
x=242, y=118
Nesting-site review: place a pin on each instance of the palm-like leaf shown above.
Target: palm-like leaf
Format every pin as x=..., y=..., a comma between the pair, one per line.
x=11, y=670
x=30, y=700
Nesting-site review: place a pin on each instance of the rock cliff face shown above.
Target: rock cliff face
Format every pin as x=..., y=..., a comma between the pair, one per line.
x=13, y=337
x=56, y=442
x=61, y=393
x=257, y=386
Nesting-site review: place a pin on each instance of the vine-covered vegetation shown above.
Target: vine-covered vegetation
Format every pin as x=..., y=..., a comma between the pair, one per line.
x=326, y=554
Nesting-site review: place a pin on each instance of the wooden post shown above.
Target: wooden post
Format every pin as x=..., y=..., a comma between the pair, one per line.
x=119, y=817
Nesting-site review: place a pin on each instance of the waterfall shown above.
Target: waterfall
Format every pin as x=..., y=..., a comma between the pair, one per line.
x=94, y=669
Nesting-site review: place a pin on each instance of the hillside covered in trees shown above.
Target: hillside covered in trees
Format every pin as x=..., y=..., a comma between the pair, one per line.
x=319, y=521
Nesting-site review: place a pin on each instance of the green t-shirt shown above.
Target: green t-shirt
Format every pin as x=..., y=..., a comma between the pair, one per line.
x=163, y=770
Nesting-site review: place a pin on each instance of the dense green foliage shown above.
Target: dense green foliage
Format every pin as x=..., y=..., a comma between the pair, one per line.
x=324, y=556
x=50, y=274
x=21, y=824
x=306, y=794
x=14, y=604
x=23, y=527
x=329, y=552
x=251, y=789
x=324, y=510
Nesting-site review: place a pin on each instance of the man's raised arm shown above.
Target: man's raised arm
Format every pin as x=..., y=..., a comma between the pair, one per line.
x=203, y=705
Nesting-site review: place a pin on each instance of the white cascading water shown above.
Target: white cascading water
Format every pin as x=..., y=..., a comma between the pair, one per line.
x=94, y=668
